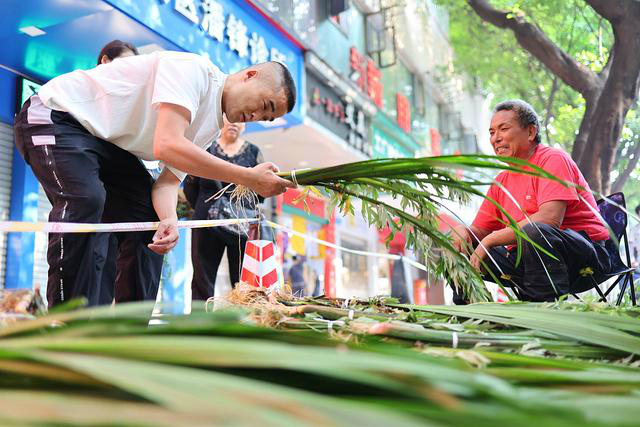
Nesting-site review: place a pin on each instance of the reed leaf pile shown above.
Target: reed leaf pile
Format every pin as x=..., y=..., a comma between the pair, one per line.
x=324, y=362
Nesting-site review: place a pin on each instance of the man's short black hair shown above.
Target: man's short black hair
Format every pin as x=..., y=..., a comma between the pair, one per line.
x=114, y=48
x=638, y=210
x=526, y=114
x=289, y=85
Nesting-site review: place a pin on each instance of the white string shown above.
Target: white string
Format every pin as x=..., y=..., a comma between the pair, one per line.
x=78, y=227
x=454, y=340
x=293, y=177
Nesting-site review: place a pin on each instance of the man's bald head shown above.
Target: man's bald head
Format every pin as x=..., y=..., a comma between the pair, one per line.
x=261, y=92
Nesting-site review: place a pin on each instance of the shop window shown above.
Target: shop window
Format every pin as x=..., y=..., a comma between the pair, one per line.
x=418, y=95
x=381, y=33
x=469, y=143
x=336, y=7
x=337, y=10
x=355, y=275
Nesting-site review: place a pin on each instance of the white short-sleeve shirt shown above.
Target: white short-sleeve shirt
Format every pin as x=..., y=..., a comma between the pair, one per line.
x=118, y=101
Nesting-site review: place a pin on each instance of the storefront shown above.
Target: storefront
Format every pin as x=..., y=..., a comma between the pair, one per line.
x=356, y=274
x=390, y=141
x=309, y=218
x=46, y=38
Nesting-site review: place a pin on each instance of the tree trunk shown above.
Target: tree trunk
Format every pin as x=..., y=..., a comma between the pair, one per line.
x=583, y=132
x=618, y=93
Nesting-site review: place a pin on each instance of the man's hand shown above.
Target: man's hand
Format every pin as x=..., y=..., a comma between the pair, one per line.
x=477, y=257
x=480, y=254
x=166, y=237
x=264, y=181
x=461, y=238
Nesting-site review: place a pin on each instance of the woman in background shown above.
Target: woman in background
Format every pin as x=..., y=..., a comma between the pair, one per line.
x=208, y=244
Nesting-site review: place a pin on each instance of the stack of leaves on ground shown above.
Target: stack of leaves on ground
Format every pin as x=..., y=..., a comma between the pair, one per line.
x=380, y=364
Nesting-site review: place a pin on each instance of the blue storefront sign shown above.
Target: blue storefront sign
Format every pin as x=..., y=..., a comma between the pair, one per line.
x=232, y=34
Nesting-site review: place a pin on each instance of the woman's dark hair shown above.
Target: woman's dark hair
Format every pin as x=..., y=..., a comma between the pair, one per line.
x=114, y=49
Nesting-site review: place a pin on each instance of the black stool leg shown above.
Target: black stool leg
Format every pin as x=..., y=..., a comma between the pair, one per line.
x=623, y=290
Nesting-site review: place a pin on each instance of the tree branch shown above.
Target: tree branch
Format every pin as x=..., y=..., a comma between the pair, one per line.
x=536, y=42
x=626, y=173
x=611, y=10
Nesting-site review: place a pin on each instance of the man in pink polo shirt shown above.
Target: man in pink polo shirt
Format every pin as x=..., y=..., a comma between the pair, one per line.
x=560, y=219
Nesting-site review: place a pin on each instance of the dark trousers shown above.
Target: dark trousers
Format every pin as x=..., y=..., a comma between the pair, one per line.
x=580, y=265
x=207, y=247
x=89, y=180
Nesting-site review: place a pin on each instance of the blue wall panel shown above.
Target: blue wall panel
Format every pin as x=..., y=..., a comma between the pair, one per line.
x=24, y=197
x=8, y=89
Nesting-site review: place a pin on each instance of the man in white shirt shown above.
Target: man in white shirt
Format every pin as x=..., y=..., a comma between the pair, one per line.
x=85, y=132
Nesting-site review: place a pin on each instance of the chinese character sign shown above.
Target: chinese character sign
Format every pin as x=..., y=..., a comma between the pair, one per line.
x=188, y=9
x=366, y=76
x=435, y=142
x=213, y=19
x=332, y=108
x=374, y=84
x=338, y=114
x=403, y=112
x=237, y=34
x=227, y=28
x=358, y=67
x=259, y=50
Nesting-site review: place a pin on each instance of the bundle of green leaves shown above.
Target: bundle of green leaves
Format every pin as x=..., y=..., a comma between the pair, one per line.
x=107, y=366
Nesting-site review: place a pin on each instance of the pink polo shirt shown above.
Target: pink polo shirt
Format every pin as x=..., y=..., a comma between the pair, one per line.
x=530, y=192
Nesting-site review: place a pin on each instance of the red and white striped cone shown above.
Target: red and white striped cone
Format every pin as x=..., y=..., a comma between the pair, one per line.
x=260, y=266
x=501, y=296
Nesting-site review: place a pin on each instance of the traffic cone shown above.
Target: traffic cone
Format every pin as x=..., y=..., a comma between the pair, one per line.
x=501, y=296
x=260, y=266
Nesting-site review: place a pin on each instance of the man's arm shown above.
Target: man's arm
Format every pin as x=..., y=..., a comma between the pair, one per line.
x=551, y=213
x=172, y=148
x=164, y=196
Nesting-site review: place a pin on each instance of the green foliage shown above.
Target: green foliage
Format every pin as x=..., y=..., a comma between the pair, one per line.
x=508, y=71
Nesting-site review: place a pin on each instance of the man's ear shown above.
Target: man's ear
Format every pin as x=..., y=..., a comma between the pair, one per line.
x=250, y=74
x=533, y=132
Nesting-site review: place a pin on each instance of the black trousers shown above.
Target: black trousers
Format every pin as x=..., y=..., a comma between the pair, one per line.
x=207, y=247
x=89, y=180
x=580, y=265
